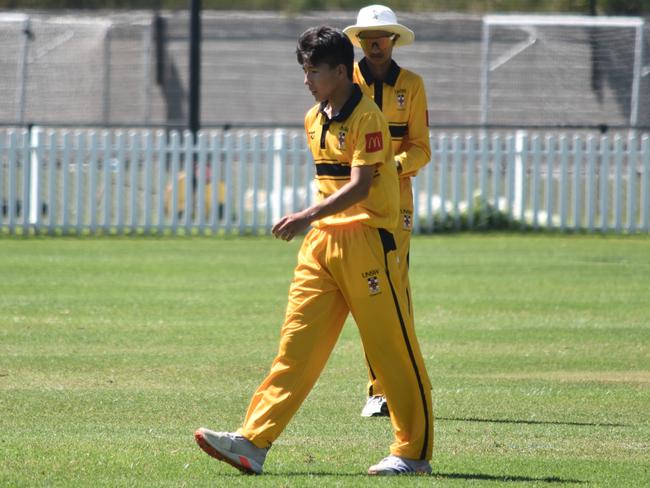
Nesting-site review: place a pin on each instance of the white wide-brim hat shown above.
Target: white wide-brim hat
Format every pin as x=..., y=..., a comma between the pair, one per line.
x=378, y=17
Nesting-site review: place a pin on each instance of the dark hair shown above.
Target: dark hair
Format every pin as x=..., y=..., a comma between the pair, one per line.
x=325, y=45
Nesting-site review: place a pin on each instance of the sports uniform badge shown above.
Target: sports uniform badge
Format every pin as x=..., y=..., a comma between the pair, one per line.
x=401, y=99
x=341, y=139
x=373, y=285
x=407, y=220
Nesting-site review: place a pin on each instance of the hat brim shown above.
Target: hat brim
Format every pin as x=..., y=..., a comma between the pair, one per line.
x=406, y=35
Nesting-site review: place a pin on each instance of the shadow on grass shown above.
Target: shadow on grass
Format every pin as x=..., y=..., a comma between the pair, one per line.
x=531, y=422
x=460, y=476
x=505, y=478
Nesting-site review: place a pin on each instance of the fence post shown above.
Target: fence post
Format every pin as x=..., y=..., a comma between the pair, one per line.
x=65, y=175
x=577, y=173
x=79, y=162
x=456, y=169
x=26, y=199
x=564, y=163
x=632, y=156
x=521, y=143
x=645, y=184
x=485, y=161
x=241, y=183
x=92, y=194
x=215, y=178
x=107, y=163
x=470, y=142
x=511, y=154
x=591, y=183
x=535, y=184
x=148, y=183
x=618, y=184
x=188, y=165
x=134, y=160
x=228, y=145
x=36, y=142
x=444, y=157
x=429, y=175
x=550, y=168
x=604, y=184
x=201, y=182
x=256, y=181
x=52, y=208
x=162, y=180
x=279, y=157
x=121, y=164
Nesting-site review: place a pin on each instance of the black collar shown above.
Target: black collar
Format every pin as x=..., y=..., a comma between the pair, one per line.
x=391, y=77
x=349, y=105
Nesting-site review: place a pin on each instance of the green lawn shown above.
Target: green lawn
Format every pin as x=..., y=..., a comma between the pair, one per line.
x=113, y=351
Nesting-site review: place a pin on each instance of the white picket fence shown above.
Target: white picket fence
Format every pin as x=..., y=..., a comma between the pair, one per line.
x=131, y=182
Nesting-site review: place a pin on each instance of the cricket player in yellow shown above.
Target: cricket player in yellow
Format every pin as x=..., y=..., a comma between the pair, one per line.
x=347, y=264
x=400, y=95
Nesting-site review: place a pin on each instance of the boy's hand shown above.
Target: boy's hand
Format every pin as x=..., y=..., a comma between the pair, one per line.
x=290, y=225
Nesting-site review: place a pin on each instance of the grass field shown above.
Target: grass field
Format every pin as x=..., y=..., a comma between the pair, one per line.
x=113, y=351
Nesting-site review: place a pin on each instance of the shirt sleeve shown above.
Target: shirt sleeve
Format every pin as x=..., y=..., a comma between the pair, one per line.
x=372, y=144
x=417, y=151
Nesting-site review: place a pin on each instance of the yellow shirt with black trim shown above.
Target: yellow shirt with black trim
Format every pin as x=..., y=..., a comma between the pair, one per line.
x=357, y=135
x=403, y=101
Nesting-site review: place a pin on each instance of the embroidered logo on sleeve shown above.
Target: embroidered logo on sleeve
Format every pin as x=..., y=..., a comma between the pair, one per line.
x=374, y=142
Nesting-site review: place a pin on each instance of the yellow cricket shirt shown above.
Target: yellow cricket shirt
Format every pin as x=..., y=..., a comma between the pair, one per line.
x=357, y=135
x=402, y=99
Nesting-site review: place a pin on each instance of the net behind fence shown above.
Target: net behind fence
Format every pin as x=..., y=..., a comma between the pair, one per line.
x=125, y=69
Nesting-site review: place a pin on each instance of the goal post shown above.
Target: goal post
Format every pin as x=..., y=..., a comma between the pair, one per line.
x=564, y=70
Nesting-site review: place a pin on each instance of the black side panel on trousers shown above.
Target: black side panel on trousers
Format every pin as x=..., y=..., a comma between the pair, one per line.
x=388, y=242
x=372, y=374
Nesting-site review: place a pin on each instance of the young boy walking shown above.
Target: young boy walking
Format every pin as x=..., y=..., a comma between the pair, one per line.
x=347, y=264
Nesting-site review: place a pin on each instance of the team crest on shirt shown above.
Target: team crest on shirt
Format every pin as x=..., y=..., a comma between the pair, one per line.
x=341, y=139
x=400, y=95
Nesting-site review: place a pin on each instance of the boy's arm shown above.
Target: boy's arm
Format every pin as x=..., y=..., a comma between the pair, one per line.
x=418, y=152
x=352, y=192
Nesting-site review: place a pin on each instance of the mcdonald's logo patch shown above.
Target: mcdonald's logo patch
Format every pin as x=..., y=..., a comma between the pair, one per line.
x=374, y=142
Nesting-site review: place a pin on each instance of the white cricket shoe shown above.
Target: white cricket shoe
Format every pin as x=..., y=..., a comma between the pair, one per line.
x=394, y=465
x=233, y=449
x=376, y=406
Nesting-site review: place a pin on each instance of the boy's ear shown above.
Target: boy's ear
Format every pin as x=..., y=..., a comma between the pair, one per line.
x=341, y=70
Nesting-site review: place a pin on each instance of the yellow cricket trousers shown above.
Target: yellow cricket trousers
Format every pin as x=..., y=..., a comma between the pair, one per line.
x=403, y=240
x=342, y=269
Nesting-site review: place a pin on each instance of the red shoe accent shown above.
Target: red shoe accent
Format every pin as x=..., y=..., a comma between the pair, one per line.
x=245, y=467
x=245, y=462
